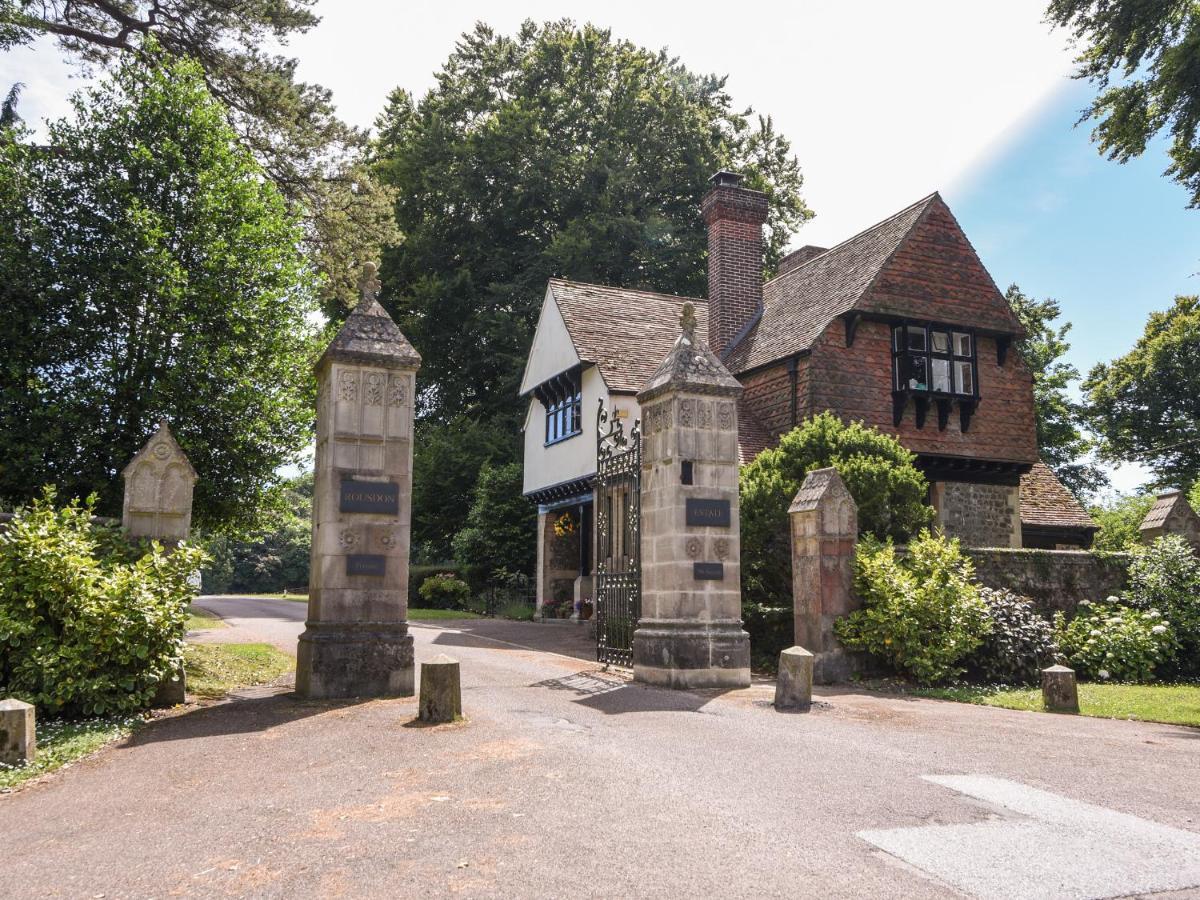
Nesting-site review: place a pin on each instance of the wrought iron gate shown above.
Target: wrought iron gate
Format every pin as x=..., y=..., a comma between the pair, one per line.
x=618, y=537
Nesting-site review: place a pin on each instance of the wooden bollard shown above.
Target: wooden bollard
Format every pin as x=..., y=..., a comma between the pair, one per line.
x=441, y=690
x=18, y=732
x=793, y=686
x=1059, y=692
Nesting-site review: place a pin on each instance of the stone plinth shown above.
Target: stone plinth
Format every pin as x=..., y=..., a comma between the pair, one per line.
x=824, y=524
x=158, y=490
x=18, y=733
x=793, y=686
x=441, y=690
x=172, y=691
x=356, y=641
x=1059, y=691
x=690, y=633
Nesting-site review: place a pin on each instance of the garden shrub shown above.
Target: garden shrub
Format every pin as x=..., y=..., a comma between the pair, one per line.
x=771, y=629
x=922, y=614
x=89, y=625
x=1111, y=641
x=1166, y=577
x=1120, y=521
x=879, y=473
x=1019, y=645
x=445, y=591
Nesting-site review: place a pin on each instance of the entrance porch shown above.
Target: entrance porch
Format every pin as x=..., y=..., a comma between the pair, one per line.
x=565, y=550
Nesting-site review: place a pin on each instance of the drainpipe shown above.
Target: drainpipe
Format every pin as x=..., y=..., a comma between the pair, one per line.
x=793, y=379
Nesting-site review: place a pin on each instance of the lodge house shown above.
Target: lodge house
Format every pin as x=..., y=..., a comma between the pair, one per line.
x=900, y=326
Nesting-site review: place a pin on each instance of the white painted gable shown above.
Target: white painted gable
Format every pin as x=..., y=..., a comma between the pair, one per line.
x=553, y=351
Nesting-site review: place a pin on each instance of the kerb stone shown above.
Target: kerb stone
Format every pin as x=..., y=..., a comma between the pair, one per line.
x=1059, y=691
x=18, y=732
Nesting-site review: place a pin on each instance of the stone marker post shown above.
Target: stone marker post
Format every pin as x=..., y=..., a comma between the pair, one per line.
x=18, y=736
x=793, y=684
x=1059, y=691
x=441, y=690
x=158, y=490
x=690, y=633
x=356, y=641
x=824, y=521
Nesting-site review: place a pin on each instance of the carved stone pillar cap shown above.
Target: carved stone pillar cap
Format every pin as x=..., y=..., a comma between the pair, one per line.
x=690, y=366
x=369, y=336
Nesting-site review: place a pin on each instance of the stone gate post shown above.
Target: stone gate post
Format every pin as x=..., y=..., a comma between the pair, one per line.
x=824, y=525
x=690, y=633
x=158, y=490
x=356, y=641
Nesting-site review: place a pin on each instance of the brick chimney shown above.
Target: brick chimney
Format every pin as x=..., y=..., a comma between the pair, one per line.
x=735, y=216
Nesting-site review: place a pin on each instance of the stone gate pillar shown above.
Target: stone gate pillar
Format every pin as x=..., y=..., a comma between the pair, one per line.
x=158, y=490
x=356, y=641
x=824, y=525
x=690, y=633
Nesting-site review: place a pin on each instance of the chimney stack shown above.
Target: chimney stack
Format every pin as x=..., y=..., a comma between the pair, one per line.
x=735, y=216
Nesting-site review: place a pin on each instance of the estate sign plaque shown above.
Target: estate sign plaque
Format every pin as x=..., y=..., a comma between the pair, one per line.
x=369, y=497
x=366, y=564
x=708, y=512
x=708, y=571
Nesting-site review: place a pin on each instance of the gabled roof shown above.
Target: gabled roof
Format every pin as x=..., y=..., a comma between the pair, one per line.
x=625, y=333
x=798, y=304
x=1045, y=501
x=1167, y=503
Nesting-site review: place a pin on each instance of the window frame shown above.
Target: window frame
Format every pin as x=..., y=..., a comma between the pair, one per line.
x=902, y=353
x=562, y=400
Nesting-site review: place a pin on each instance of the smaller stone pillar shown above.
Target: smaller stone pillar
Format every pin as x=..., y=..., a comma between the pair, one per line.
x=172, y=691
x=824, y=524
x=18, y=732
x=1059, y=692
x=793, y=685
x=158, y=490
x=441, y=690
x=1171, y=514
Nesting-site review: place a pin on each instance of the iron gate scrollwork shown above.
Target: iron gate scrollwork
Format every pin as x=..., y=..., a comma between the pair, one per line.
x=618, y=537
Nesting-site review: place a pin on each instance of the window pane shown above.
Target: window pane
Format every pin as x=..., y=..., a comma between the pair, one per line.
x=918, y=375
x=897, y=338
x=939, y=341
x=962, y=344
x=916, y=337
x=898, y=366
x=941, y=375
x=964, y=382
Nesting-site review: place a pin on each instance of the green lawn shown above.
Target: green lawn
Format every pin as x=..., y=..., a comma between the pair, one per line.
x=1175, y=704
x=419, y=615
x=61, y=743
x=201, y=619
x=213, y=670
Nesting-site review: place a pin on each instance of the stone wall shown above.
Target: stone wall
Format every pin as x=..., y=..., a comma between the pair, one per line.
x=980, y=515
x=1054, y=579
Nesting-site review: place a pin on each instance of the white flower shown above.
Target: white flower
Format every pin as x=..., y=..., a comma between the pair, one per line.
x=1095, y=632
x=1158, y=629
x=1104, y=674
x=1112, y=599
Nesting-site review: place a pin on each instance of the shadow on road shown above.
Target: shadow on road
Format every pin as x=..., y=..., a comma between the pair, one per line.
x=613, y=695
x=495, y=635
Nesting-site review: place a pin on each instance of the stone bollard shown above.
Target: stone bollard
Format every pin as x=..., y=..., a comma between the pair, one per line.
x=171, y=691
x=441, y=690
x=18, y=732
x=793, y=687
x=1059, y=693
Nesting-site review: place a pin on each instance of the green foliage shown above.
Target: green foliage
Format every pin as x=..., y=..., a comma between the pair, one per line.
x=558, y=151
x=1146, y=404
x=501, y=526
x=1061, y=442
x=83, y=630
x=879, y=473
x=922, y=614
x=1149, y=49
x=1019, y=644
x=771, y=629
x=1119, y=522
x=1166, y=576
x=444, y=591
x=522, y=612
x=160, y=277
x=1110, y=641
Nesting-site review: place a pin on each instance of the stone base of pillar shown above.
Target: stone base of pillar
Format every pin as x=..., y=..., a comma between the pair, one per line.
x=691, y=655
x=836, y=666
x=335, y=662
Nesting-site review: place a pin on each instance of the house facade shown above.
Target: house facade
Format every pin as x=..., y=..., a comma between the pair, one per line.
x=900, y=326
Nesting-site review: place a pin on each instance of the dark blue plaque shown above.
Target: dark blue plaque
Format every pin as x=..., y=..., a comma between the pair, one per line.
x=366, y=564
x=707, y=571
x=369, y=497
x=708, y=512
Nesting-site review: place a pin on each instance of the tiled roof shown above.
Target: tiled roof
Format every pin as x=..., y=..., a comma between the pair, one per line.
x=1046, y=502
x=1164, y=505
x=798, y=304
x=625, y=333
x=753, y=438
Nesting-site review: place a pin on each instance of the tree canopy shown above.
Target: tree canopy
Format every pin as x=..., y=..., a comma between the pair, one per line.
x=147, y=271
x=1145, y=405
x=1142, y=56
x=1061, y=441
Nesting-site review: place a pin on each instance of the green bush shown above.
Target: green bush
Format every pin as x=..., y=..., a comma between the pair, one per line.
x=922, y=614
x=771, y=629
x=1110, y=641
x=1019, y=645
x=88, y=625
x=445, y=591
x=1166, y=576
x=879, y=473
x=521, y=611
x=1119, y=523
x=418, y=573
x=501, y=527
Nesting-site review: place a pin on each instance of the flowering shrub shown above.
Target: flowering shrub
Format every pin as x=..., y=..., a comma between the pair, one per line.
x=1019, y=645
x=445, y=591
x=1110, y=641
x=89, y=625
x=1166, y=576
x=921, y=613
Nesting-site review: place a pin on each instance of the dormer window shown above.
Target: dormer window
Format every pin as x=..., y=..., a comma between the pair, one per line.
x=562, y=397
x=934, y=363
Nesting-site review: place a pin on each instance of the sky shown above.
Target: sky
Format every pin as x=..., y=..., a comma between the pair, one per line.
x=883, y=102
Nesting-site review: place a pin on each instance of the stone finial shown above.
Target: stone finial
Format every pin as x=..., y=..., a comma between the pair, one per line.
x=369, y=285
x=690, y=366
x=687, y=322
x=1059, y=691
x=159, y=481
x=369, y=336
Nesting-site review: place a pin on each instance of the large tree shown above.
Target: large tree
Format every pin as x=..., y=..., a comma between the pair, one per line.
x=148, y=270
x=1061, y=441
x=1144, y=58
x=559, y=151
x=1145, y=405
x=319, y=163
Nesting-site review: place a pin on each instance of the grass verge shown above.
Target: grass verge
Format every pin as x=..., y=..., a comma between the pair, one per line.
x=1173, y=704
x=425, y=615
x=213, y=670
x=201, y=619
x=61, y=743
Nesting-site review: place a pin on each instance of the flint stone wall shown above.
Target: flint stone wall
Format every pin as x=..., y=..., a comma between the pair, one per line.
x=1054, y=579
x=980, y=515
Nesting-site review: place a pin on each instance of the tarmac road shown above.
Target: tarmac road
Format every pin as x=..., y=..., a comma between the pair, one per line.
x=567, y=781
